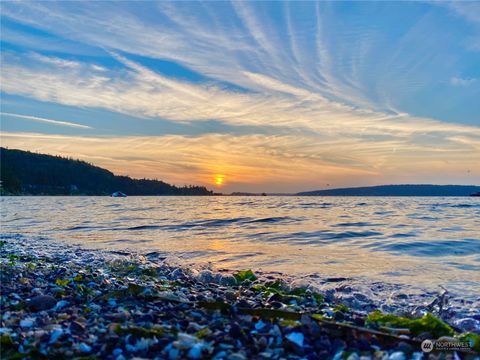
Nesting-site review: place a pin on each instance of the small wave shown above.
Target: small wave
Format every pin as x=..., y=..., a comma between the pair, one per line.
x=404, y=235
x=323, y=205
x=322, y=236
x=144, y=227
x=439, y=248
x=127, y=241
x=80, y=227
x=220, y=222
x=356, y=224
x=465, y=206
x=237, y=257
x=452, y=205
x=270, y=219
x=143, y=208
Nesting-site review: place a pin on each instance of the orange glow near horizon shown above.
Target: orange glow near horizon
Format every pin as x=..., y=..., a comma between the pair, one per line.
x=219, y=179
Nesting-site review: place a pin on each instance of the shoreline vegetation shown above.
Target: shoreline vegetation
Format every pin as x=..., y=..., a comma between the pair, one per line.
x=61, y=301
x=28, y=173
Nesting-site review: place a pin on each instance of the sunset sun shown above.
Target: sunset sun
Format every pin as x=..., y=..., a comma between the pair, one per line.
x=219, y=179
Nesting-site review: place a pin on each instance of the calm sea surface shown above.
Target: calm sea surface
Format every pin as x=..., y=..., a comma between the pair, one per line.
x=417, y=243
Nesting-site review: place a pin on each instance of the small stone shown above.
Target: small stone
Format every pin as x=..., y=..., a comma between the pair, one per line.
x=220, y=355
x=207, y=276
x=260, y=325
x=61, y=304
x=27, y=323
x=173, y=354
x=236, y=356
x=227, y=280
x=76, y=327
x=84, y=348
x=196, y=351
x=262, y=342
x=296, y=338
x=55, y=335
x=404, y=347
x=424, y=336
x=118, y=317
x=468, y=325
x=397, y=355
x=236, y=332
x=42, y=302
x=185, y=341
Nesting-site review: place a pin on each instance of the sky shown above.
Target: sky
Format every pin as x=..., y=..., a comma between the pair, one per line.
x=248, y=96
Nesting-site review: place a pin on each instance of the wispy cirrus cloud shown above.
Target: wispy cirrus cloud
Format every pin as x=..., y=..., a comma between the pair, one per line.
x=137, y=90
x=44, y=120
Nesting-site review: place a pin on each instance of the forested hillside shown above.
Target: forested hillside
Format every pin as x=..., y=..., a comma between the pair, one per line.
x=24, y=172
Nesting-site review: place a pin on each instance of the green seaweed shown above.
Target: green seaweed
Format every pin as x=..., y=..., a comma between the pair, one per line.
x=289, y=323
x=202, y=333
x=318, y=298
x=139, y=332
x=427, y=323
x=131, y=290
x=149, y=272
x=6, y=341
x=319, y=317
x=277, y=287
x=62, y=282
x=244, y=275
x=342, y=308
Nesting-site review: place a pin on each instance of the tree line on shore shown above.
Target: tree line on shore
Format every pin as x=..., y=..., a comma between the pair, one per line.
x=28, y=173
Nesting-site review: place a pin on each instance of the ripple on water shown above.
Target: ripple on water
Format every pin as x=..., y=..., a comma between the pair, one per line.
x=435, y=248
x=356, y=224
x=321, y=237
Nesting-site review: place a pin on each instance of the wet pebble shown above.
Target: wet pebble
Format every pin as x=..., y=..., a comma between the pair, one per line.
x=42, y=302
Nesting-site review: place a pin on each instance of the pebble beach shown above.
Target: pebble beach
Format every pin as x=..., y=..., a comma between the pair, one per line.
x=62, y=301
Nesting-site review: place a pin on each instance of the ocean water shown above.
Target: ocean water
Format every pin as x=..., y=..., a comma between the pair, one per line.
x=417, y=245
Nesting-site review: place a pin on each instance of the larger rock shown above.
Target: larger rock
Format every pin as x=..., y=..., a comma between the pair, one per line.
x=42, y=302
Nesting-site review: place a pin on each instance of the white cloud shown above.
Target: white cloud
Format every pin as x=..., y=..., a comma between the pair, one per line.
x=458, y=81
x=57, y=61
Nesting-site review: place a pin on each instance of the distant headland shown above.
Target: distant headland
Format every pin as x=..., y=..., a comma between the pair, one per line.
x=384, y=190
x=399, y=190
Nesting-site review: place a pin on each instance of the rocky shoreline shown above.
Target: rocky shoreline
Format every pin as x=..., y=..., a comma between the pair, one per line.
x=65, y=302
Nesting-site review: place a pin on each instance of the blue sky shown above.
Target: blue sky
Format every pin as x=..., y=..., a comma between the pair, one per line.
x=273, y=96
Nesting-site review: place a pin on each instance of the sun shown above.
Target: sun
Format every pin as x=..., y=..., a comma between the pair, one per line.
x=219, y=179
